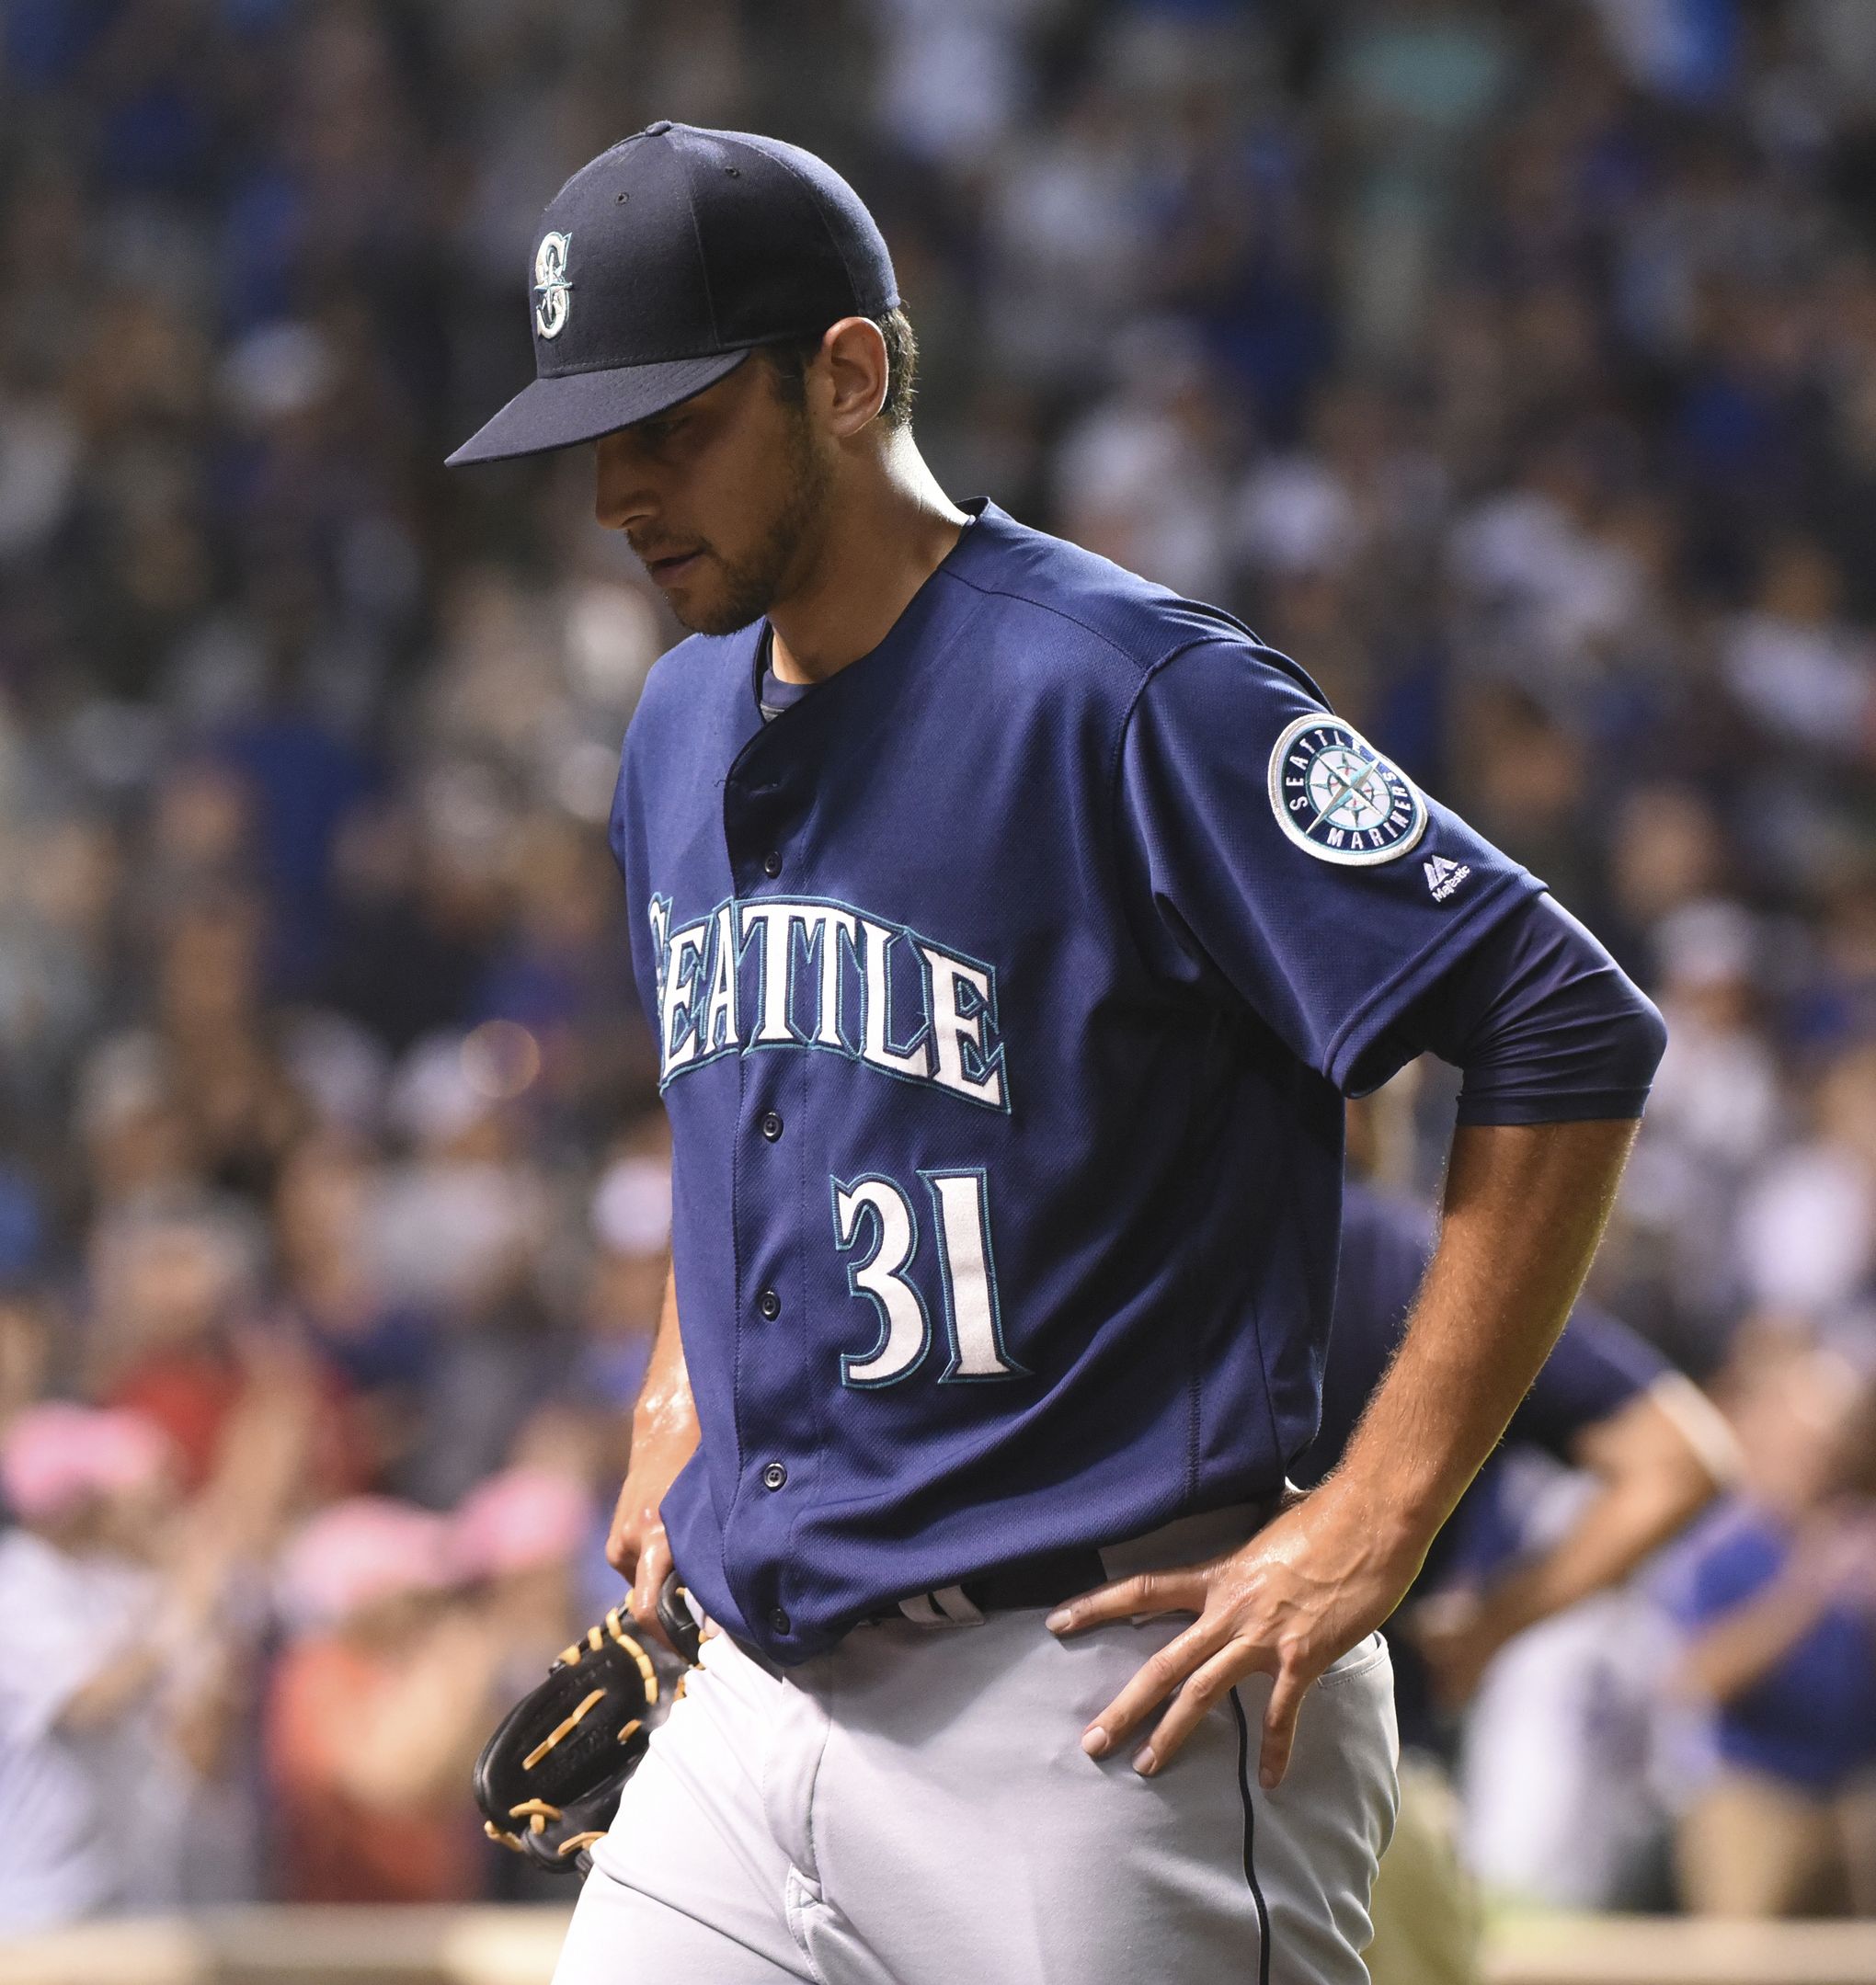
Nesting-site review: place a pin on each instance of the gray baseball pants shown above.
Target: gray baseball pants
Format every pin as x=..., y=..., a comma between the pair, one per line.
x=915, y=1808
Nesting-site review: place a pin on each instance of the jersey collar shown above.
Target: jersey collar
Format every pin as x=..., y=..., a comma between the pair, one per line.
x=985, y=515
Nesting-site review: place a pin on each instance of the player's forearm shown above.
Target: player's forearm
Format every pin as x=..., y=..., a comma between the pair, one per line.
x=1525, y=1209
x=666, y=1414
x=664, y=1437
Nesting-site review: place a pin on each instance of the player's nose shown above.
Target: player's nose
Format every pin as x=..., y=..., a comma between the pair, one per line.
x=623, y=497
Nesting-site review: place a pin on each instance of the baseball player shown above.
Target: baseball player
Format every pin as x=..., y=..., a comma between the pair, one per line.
x=1011, y=931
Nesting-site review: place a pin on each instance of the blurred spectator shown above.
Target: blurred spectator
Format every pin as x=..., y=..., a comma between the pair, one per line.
x=378, y=1709
x=214, y=1060
x=25, y=1354
x=1138, y=478
x=1777, y=1602
x=175, y=1339
x=632, y=1223
x=1802, y=673
x=381, y=1351
x=1718, y=1104
x=1808, y=1233
x=461, y=1227
x=118, y=1680
x=518, y=1540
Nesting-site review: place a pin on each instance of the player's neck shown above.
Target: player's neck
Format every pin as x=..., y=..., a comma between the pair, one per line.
x=888, y=529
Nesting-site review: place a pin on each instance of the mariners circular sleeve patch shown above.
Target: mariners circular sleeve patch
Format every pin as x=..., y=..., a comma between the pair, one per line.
x=1336, y=795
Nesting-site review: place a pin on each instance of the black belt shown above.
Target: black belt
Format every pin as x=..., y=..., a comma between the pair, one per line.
x=1025, y=1585
x=1046, y=1579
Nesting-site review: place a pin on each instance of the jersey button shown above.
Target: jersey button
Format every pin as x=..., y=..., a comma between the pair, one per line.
x=770, y=1304
x=774, y=1475
x=772, y=863
x=779, y=1621
x=772, y=1126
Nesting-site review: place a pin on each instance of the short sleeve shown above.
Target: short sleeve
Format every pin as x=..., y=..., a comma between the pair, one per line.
x=1277, y=859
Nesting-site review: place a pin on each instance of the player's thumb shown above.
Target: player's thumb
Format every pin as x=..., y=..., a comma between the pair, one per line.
x=649, y=1576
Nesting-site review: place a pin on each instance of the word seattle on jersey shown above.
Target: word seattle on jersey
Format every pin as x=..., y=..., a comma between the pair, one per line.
x=778, y=972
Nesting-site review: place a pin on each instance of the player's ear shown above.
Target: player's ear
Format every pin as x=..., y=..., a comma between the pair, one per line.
x=854, y=359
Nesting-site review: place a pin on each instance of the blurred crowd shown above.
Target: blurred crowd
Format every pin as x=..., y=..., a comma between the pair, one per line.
x=1512, y=366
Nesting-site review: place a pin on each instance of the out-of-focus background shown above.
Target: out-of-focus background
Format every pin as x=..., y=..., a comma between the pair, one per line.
x=1512, y=365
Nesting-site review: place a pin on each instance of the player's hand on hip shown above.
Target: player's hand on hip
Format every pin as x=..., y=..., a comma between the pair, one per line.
x=1309, y=1585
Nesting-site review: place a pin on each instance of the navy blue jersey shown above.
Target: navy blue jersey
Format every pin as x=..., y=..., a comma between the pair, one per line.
x=1007, y=986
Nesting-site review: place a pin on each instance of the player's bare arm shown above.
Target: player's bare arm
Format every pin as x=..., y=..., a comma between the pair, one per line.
x=1525, y=1209
x=664, y=1437
x=1658, y=1461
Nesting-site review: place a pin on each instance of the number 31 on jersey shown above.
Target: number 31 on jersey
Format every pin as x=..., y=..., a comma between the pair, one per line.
x=967, y=1276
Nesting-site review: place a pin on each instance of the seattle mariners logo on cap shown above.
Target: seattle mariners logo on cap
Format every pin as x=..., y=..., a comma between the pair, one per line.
x=1336, y=795
x=552, y=291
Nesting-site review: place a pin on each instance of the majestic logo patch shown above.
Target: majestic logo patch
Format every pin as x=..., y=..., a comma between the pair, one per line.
x=1443, y=876
x=1334, y=795
x=552, y=291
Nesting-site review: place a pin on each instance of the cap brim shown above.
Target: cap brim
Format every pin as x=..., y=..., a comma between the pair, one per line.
x=580, y=406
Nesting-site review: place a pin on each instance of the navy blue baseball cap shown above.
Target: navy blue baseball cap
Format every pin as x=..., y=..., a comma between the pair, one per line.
x=660, y=266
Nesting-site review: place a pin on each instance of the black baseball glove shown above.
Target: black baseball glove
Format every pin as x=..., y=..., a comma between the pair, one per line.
x=548, y=1781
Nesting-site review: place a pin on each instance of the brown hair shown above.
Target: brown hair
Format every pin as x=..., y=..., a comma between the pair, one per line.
x=790, y=359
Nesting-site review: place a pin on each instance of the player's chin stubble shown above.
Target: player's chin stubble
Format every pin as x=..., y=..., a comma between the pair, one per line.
x=751, y=584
